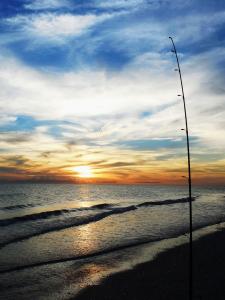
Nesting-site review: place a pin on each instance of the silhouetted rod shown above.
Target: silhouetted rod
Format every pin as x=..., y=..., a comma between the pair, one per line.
x=189, y=178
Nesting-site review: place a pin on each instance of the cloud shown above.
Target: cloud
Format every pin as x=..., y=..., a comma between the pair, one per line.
x=117, y=108
x=79, y=94
x=197, y=26
x=55, y=26
x=106, y=108
x=5, y=119
x=18, y=160
x=14, y=138
x=46, y=4
x=11, y=170
x=140, y=31
x=119, y=3
x=140, y=4
x=105, y=4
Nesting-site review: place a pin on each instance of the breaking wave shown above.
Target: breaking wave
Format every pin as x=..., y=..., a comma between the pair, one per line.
x=39, y=223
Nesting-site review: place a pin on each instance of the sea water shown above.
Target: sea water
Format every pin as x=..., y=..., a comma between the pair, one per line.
x=56, y=239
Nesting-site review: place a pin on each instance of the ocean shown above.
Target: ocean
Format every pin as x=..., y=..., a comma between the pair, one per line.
x=57, y=239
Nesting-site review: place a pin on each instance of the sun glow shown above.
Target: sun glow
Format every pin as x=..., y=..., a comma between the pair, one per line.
x=83, y=171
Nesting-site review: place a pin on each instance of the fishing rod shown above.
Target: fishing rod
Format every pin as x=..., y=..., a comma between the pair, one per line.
x=174, y=50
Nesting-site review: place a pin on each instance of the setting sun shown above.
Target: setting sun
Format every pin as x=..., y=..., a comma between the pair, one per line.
x=83, y=171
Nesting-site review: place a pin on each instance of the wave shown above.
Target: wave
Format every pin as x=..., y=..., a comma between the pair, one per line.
x=166, y=202
x=105, y=251
x=28, y=205
x=32, y=217
x=71, y=219
x=19, y=206
x=10, y=195
x=67, y=223
x=55, y=213
x=48, y=214
x=78, y=257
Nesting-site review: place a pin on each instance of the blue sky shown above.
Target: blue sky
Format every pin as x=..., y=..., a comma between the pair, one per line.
x=97, y=76
x=109, y=35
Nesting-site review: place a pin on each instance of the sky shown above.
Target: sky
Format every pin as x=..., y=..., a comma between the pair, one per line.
x=88, y=91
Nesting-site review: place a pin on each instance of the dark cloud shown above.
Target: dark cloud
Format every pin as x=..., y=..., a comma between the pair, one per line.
x=11, y=170
x=18, y=160
x=117, y=164
x=15, y=137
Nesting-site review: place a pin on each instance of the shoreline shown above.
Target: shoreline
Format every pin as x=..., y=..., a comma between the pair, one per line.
x=166, y=277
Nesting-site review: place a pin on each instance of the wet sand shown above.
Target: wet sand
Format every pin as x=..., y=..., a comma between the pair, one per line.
x=167, y=276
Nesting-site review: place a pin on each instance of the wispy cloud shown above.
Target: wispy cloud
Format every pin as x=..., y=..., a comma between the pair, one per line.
x=139, y=4
x=55, y=26
x=119, y=3
x=46, y=4
x=107, y=108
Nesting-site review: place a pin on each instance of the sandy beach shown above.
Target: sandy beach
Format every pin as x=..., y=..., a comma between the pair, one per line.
x=167, y=276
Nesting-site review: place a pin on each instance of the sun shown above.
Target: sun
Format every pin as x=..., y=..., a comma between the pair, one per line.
x=83, y=171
